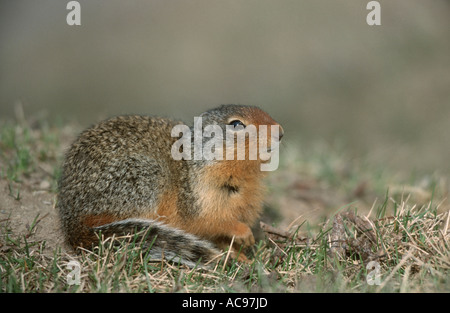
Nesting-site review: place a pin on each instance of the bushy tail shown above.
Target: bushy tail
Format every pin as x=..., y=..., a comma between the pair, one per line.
x=164, y=241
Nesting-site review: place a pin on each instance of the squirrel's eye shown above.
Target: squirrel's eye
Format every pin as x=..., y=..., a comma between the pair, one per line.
x=236, y=123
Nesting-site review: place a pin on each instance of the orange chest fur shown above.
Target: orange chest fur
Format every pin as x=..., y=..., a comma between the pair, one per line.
x=230, y=191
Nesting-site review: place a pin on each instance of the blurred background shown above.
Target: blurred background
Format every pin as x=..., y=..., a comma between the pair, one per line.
x=315, y=66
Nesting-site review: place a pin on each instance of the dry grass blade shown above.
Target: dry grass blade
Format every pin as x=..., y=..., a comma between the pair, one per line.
x=396, y=268
x=275, y=231
x=280, y=235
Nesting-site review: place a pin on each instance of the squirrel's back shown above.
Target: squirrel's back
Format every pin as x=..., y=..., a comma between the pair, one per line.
x=119, y=177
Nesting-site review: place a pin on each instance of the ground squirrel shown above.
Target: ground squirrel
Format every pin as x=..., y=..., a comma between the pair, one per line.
x=119, y=176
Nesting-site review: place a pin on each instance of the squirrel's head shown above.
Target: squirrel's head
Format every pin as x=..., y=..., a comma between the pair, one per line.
x=257, y=129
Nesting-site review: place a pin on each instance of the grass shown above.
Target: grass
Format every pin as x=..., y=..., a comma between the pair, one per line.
x=407, y=233
x=415, y=258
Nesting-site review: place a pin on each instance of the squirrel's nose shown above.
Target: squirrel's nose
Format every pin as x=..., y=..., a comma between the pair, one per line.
x=281, y=133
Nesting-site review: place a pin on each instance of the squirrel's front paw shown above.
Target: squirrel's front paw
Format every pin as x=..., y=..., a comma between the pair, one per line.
x=245, y=240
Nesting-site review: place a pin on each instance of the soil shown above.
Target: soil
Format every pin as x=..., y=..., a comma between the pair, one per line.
x=31, y=214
